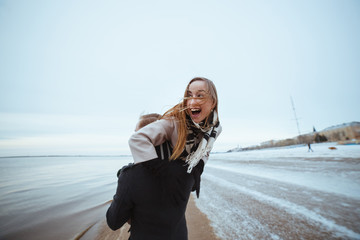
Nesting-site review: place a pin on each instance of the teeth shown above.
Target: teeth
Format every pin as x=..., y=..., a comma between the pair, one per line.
x=195, y=110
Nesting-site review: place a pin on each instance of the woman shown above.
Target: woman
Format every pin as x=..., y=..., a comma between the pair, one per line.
x=156, y=203
x=191, y=127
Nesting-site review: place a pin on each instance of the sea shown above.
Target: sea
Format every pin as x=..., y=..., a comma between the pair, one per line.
x=55, y=197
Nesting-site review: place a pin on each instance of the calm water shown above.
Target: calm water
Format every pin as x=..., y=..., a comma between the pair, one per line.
x=56, y=197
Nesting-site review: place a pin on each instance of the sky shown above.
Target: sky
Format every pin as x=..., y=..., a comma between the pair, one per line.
x=76, y=75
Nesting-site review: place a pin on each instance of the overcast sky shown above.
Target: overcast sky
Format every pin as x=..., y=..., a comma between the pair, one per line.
x=76, y=75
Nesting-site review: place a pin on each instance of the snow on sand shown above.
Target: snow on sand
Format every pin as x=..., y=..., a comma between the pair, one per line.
x=284, y=193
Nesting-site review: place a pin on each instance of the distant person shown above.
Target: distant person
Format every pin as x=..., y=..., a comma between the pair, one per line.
x=154, y=191
x=309, y=148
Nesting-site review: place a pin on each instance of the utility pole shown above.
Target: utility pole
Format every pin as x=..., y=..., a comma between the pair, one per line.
x=296, y=119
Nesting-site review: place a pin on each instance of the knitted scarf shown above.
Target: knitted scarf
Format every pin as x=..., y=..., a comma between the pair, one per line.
x=195, y=150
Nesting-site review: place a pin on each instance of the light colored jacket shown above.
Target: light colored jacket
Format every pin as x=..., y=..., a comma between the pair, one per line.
x=142, y=143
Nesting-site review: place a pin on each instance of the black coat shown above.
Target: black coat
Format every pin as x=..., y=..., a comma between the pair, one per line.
x=154, y=195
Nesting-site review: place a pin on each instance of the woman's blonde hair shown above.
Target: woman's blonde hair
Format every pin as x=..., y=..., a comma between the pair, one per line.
x=179, y=113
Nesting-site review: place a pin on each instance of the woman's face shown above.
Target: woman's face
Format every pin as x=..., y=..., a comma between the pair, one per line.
x=200, y=103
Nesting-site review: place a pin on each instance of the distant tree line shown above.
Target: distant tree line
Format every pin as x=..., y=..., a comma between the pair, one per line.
x=344, y=132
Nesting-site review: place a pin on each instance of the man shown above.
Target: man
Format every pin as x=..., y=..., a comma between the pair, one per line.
x=154, y=195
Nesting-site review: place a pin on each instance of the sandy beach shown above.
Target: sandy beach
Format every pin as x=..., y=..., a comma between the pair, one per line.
x=198, y=226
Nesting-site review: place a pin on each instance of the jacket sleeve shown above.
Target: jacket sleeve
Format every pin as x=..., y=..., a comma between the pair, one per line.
x=142, y=143
x=120, y=209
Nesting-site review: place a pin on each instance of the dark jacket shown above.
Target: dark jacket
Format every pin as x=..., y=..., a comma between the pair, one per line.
x=154, y=195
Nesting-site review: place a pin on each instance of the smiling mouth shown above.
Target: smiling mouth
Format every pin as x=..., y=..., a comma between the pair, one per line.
x=195, y=112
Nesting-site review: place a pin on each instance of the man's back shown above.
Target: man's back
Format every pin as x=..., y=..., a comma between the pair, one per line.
x=154, y=199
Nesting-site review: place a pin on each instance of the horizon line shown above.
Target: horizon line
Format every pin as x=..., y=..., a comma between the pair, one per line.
x=67, y=155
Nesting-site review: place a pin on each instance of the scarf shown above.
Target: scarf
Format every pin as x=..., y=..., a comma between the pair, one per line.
x=196, y=151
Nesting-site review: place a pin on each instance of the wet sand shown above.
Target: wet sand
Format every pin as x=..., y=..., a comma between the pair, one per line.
x=198, y=226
